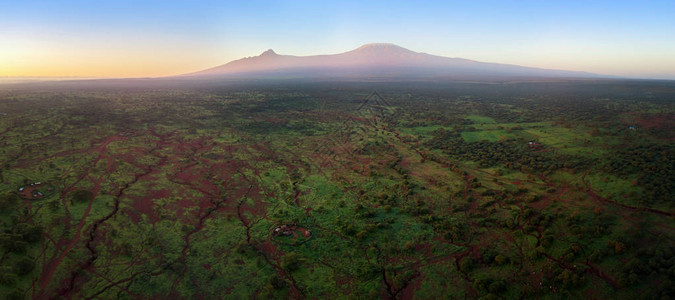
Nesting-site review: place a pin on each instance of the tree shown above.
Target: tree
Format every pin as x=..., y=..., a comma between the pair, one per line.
x=24, y=266
x=501, y=259
x=7, y=276
x=81, y=196
x=291, y=262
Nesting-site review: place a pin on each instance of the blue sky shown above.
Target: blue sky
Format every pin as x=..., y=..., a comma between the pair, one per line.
x=156, y=38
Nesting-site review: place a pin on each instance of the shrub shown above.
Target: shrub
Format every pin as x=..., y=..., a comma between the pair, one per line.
x=81, y=196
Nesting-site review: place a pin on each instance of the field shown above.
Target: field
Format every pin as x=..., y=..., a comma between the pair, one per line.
x=338, y=190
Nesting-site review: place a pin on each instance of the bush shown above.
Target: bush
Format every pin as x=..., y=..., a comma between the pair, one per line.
x=501, y=259
x=15, y=295
x=7, y=200
x=277, y=282
x=24, y=266
x=466, y=264
x=291, y=262
x=497, y=287
x=29, y=233
x=81, y=196
x=7, y=277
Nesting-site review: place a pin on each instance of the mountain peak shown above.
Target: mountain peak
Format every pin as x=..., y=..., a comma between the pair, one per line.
x=269, y=52
x=384, y=51
x=381, y=47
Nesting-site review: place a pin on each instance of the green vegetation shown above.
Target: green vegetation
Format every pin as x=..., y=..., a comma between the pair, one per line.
x=454, y=190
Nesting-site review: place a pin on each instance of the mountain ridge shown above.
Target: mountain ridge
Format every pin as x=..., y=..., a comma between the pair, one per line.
x=376, y=59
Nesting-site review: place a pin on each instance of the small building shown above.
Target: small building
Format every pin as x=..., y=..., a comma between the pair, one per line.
x=284, y=230
x=533, y=145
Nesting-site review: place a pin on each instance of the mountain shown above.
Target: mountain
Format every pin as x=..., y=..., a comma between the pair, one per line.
x=375, y=60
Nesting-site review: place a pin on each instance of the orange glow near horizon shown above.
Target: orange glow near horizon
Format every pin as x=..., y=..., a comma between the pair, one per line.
x=111, y=66
x=45, y=59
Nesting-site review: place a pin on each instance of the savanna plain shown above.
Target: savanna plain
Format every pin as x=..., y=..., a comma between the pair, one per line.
x=410, y=190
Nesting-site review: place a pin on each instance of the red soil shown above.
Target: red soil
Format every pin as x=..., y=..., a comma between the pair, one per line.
x=305, y=232
x=409, y=291
x=146, y=205
x=657, y=120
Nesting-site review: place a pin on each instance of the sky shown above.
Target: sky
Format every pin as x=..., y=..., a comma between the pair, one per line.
x=162, y=38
